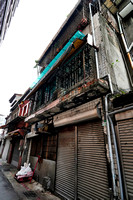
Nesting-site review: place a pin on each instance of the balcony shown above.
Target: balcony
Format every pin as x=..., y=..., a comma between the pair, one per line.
x=73, y=83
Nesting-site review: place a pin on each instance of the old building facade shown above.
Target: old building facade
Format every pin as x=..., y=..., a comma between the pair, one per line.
x=72, y=114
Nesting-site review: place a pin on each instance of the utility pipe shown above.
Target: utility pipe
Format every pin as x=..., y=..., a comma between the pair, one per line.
x=110, y=146
x=117, y=157
x=124, y=42
x=110, y=84
x=115, y=144
x=94, y=40
x=99, y=3
x=121, y=110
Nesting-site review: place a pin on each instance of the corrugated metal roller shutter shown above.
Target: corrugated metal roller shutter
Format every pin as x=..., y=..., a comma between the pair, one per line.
x=65, y=172
x=125, y=128
x=92, y=166
x=15, y=156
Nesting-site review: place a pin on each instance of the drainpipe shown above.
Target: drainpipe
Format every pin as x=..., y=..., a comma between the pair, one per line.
x=121, y=110
x=99, y=3
x=117, y=157
x=106, y=104
x=110, y=146
x=94, y=40
x=124, y=41
x=115, y=144
x=110, y=84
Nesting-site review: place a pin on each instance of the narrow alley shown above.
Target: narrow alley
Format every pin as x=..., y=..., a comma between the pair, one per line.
x=10, y=189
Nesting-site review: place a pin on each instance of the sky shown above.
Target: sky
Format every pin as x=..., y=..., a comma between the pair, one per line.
x=32, y=27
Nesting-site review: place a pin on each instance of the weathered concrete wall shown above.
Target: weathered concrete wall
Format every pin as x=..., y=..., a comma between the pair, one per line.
x=46, y=168
x=109, y=55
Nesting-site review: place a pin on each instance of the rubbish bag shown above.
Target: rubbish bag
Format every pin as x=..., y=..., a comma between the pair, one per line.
x=24, y=170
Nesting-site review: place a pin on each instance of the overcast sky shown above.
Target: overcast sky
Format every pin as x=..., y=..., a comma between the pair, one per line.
x=32, y=28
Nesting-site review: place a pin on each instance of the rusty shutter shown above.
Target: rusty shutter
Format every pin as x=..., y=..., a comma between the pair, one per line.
x=65, y=170
x=92, y=165
x=15, y=155
x=125, y=129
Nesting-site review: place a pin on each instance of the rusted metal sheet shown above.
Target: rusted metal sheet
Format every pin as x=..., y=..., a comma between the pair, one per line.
x=65, y=172
x=79, y=117
x=125, y=140
x=87, y=107
x=17, y=132
x=52, y=107
x=92, y=165
x=49, y=107
x=124, y=115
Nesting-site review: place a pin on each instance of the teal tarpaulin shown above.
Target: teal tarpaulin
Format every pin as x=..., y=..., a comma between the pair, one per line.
x=78, y=35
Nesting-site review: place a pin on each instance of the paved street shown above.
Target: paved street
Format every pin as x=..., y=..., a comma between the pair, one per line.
x=10, y=189
x=6, y=190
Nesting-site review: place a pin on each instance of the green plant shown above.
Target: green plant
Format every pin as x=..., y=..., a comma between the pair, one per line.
x=115, y=63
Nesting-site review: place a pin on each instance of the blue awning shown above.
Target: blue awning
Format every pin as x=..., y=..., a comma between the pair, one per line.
x=77, y=35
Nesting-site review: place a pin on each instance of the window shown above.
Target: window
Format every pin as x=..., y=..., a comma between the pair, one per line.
x=45, y=146
x=77, y=69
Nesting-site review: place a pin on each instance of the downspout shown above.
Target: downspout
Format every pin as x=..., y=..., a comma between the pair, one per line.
x=115, y=143
x=121, y=110
x=94, y=40
x=106, y=104
x=117, y=157
x=110, y=84
x=99, y=3
x=124, y=41
x=110, y=146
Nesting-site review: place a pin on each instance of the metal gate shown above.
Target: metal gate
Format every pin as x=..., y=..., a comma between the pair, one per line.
x=92, y=165
x=65, y=171
x=81, y=163
x=15, y=155
x=125, y=139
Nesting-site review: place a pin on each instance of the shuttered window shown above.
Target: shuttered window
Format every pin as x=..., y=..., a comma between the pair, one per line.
x=15, y=155
x=125, y=129
x=81, y=163
x=92, y=165
x=65, y=164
